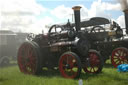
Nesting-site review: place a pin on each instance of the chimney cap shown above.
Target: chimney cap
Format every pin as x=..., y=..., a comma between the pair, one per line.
x=76, y=7
x=125, y=10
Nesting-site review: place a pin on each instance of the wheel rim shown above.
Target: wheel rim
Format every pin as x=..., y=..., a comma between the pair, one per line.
x=27, y=59
x=93, y=63
x=68, y=66
x=119, y=56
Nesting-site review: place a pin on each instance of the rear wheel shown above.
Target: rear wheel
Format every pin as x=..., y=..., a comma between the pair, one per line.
x=119, y=56
x=94, y=62
x=29, y=58
x=70, y=65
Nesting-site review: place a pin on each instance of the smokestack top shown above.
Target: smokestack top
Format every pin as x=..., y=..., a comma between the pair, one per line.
x=126, y=11
x=76, y=8
x=124, y=4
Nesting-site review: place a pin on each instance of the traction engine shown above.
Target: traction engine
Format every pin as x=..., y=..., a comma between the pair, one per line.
x=71, y=47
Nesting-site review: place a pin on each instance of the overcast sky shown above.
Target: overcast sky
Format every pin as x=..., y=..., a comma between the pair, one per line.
x=35, y=15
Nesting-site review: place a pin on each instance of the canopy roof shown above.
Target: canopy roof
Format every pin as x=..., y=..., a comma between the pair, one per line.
x=95, y=21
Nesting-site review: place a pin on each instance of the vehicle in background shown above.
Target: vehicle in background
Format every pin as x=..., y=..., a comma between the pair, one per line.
x=9, y=43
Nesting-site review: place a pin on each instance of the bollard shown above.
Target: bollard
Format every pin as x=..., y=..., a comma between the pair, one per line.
x=80, y=82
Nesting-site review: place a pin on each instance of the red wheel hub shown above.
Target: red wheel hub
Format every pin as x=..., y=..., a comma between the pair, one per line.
x=94, y=59
x=27, y=58
x=119, y=56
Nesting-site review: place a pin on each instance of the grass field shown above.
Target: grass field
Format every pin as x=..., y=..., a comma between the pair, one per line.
x=109, y=76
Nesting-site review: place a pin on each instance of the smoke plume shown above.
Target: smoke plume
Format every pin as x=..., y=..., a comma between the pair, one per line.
x=124, y=4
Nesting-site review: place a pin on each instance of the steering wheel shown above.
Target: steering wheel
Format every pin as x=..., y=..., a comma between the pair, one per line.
x=97, y=29
x=30, y=36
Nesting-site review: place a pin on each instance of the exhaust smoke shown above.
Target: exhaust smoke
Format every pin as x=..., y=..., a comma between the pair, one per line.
x=124, y=4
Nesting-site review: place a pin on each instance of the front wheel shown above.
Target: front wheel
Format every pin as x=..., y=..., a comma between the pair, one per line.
x=70, y=65
x=93, y=63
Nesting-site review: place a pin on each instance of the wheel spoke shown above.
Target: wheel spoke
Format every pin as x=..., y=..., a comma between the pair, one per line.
x=117, y=54
x=93, y=69
x=115, y=57
x=116, y=60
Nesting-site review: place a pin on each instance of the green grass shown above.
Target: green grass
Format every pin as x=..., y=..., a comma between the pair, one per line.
x=109, y=76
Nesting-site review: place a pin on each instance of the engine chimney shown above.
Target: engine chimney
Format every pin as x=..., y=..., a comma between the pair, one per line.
x=126, y=20
x=77, y=17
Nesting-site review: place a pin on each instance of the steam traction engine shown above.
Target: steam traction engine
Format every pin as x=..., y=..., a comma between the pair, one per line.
x=74, y=46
